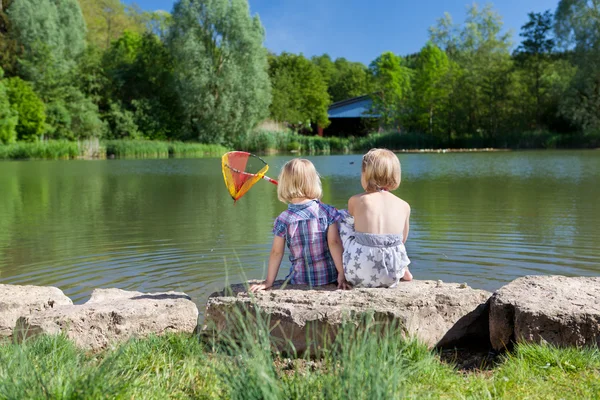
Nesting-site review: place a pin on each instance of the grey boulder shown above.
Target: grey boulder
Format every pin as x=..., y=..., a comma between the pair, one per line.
x=555, y=309
x=301, y=319
x=113, y=315
x=17, y=301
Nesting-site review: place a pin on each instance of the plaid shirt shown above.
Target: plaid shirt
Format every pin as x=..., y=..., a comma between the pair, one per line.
x=304, y=228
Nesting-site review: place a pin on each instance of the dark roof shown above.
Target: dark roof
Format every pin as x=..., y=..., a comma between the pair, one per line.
x=355, y=107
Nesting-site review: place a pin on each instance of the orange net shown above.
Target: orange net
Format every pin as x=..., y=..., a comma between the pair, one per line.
x=241, y=171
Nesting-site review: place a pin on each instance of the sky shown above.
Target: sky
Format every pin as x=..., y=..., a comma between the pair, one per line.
x=360, y=30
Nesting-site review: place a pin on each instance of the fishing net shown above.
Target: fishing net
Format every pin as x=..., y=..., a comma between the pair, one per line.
x=241, y=171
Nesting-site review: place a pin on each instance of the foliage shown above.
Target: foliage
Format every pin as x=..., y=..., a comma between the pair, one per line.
x=221, y=73
x=578, y=26
x=393, y=83
x=433, y=83
x=28, y=106
x=140, y=73
x=51, y=34
x=8, y=118
x=121, y=123
x=344, y=79
x=107, y=20
x=8, y=44
x=481, y=100
x=299, y=92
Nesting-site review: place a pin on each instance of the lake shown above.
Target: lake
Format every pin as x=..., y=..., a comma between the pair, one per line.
x=156, y=225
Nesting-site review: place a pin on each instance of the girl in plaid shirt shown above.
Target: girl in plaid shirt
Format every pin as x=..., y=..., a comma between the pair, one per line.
x=310, y=229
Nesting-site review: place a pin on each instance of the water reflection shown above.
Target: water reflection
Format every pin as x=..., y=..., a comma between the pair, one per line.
x=154, y=225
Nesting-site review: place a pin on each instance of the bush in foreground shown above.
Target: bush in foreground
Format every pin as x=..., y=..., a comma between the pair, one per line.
x=362, y=363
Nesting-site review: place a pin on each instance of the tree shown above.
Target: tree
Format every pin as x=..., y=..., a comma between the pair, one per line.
x=344, y=79
x=351, y=79
x=28, y=106
x=393, y=84
x=140, y=73
x=8, y=45
x=577, y=27
x=52, y=36
x=108, y=19
x=481, y=93
x=536, y=33
x=534, y=57
x=221, y=73
x=8, y=118
x=431, y=84
x=299, y=92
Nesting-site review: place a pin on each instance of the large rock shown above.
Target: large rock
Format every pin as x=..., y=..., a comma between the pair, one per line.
x=113, y=315
x=437, y=313
x=555, y=309
x=17, y=301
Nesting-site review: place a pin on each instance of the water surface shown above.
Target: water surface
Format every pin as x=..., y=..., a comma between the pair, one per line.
x=154, y=225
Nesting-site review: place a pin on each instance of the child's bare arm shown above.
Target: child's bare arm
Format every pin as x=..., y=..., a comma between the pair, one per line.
x=275, y=258
x=335, y=248
x=406, y=226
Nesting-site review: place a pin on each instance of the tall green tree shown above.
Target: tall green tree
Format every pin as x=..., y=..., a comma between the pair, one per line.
x=48, y=31
x=221, y=73
x=300, y=95
x=393, y=82
x=577, y=27
x=482, y=91
x=534, y=57
x=107, y=20
x=52, y=34
x=432, y=85
x=140, y=71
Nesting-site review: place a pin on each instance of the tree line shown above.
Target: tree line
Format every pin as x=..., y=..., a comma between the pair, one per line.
x=73, y=69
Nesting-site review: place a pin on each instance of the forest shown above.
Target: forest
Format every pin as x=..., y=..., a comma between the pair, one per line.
x=74, y=70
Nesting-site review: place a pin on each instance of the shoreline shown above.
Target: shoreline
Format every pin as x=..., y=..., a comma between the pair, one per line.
x=109, y=150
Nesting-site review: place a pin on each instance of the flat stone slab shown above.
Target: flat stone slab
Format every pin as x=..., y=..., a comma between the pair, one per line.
x=113, y=315
x=439, y=314
x=17, y=301
x=554, y=309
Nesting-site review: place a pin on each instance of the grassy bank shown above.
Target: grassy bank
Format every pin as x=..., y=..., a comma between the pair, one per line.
x=157, y=149
x=361, y=364
x=268, y=141
x=89, y=149
x=265, y=141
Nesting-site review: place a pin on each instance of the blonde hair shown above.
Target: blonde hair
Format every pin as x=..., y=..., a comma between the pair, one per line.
x=298, y=179
x=381, y=170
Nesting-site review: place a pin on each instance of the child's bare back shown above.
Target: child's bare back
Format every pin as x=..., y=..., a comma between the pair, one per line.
x=380, y=212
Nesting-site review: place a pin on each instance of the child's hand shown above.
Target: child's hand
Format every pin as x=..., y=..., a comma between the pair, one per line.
x=261, y=286
x=342, y=283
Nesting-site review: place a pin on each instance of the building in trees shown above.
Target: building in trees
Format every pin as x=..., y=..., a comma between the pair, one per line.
x=351, y=117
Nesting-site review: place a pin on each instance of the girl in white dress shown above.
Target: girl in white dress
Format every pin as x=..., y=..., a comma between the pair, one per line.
x=376, y=226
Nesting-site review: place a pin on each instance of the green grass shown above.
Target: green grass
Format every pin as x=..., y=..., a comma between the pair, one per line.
x=64, y=150
x=370, y=362
x=50, y=150
x=158, y=149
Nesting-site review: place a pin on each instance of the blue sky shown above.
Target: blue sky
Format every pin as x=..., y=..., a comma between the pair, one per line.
x=361, y=30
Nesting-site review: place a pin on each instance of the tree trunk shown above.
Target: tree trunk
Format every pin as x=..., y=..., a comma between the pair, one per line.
x=431, y=120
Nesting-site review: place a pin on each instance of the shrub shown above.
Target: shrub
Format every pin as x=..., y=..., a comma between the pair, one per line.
x=30, y=109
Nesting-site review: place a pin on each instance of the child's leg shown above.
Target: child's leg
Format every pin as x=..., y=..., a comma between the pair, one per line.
x=407, y=275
